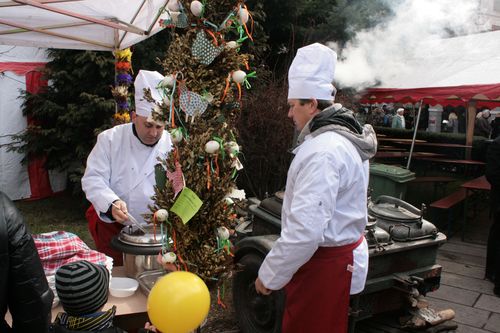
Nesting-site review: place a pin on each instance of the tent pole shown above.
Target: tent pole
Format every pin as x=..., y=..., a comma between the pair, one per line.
x=471, y=121
x=51, y=33
x=12, y=4
x=81, y=17
x=46, y=27
x=132, y=20
x=415, y=128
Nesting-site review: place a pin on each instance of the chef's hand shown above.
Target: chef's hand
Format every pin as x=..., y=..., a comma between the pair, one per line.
x=149, y=327
x=119, y=211
x=260, y=288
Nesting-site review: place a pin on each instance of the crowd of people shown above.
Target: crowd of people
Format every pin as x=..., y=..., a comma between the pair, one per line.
x=453, y=119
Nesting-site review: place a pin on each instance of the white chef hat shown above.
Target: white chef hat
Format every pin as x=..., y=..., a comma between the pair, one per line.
x=311, y=73
x=400, y=110
x=146, y=79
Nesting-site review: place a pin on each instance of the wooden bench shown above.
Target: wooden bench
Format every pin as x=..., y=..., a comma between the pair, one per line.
x=435, y=181
x=449, y=202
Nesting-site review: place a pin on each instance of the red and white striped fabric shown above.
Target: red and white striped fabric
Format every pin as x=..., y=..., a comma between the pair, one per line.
x=60, y=247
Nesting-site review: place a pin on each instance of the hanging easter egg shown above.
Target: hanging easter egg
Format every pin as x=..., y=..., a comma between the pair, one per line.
x=229, y=201
x=196, y=8
x=243, y=15
x=173, y=5
x=162, y=215
x=232, y=148
x=231, y=44
x=211, y=147
x=168, y=81
x=176, y=135
x=166, y=100
x=239, y=76
x=168, y=258
x=223, y=233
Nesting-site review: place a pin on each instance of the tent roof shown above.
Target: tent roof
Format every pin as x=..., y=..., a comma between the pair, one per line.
x=450, y=71
x=79, y=24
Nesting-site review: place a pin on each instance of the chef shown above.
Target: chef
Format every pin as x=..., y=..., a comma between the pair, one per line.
x=119, y=178
x=321, y=256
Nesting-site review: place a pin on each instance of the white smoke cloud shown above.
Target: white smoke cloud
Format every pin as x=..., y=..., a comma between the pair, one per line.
x=378, y=54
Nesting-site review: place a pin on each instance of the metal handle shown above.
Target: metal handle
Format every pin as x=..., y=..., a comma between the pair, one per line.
x=398, y=202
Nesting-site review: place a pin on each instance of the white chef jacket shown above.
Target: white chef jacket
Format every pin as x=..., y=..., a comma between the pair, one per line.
x=121, y=167
x=325, y=205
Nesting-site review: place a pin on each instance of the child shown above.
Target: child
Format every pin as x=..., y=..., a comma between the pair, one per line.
x=82, y=288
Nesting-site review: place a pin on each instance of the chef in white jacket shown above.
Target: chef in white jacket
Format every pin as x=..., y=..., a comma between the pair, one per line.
x=321, y=256
x=119, y=178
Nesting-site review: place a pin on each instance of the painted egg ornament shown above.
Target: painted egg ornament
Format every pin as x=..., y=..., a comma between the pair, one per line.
x=229, y=201
x=168, y=258
x=161, y=215
x=173, y=5
x=223, y=233
x=231, y=44
x=232, y=147
x=196, y=8
x=168, y=81
x=176, y=135
x=239, y=76
x=211, y=147
x=243, y=15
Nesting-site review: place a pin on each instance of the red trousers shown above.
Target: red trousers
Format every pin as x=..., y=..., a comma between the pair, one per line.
x=317, y=297
x=103, y=233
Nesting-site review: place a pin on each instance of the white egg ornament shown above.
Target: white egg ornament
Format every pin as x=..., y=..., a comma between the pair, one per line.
x=173, y=5
x=196, y=8
x=168, y=258
x=161, y=215
x=232, y=148
x=239, y=76
x=168, y=81
x=176, y=135
x=231, y=44
x=211, y=147
x=223, y=233
x=243, y=15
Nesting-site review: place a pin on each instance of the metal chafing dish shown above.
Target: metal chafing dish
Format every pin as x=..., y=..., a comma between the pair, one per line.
x=139, y=249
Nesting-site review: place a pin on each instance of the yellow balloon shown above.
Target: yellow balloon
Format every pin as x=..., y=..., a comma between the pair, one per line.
x=178, y=302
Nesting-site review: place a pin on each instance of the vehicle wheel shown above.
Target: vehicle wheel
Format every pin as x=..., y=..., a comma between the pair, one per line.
x=255, y=313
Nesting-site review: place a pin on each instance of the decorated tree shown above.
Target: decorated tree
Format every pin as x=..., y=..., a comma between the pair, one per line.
x=205, y=78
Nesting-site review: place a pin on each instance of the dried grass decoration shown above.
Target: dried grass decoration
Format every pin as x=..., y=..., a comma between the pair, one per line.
x=205, y=50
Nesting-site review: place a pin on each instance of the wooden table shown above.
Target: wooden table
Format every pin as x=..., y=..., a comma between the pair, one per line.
x=475, y=185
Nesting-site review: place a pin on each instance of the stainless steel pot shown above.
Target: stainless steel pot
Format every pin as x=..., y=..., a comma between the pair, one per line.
x=139, y=249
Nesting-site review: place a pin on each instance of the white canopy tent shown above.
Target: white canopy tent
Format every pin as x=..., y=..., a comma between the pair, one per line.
x=79, y=24
x=464, y=60
x=28, y=25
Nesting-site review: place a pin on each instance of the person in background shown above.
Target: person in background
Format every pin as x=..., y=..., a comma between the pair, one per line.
x=482, y=126
x=495, y=127
x=493, y=247
x=24, y=290
x=321, y=256
x=453, y=122
x=119, y=178
x=398, y=121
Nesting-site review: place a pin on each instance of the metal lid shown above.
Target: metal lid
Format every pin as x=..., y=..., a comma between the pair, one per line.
x=393, y=209
x=133, y=236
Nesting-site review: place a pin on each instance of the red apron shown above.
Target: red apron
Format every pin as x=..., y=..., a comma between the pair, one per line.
x=103, y=233
x=317, y=297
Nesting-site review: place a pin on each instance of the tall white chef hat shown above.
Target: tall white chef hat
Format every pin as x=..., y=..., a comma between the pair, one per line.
x=311, y=73
x=146, y=79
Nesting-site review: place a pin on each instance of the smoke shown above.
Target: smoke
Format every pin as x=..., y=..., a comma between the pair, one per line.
x=379, y=54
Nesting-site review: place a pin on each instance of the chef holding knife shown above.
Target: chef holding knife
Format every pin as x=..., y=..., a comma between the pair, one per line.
x=119, y=178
